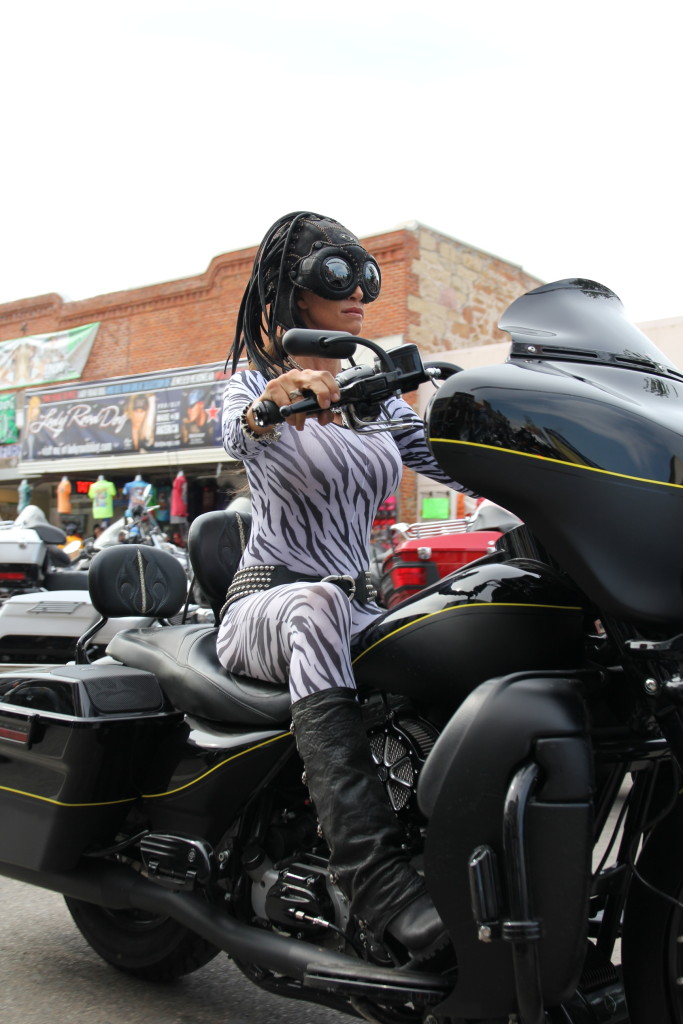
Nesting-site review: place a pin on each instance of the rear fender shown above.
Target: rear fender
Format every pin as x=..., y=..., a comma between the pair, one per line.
x=505, y=723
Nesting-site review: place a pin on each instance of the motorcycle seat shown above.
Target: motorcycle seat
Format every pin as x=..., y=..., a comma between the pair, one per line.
x=184, y=660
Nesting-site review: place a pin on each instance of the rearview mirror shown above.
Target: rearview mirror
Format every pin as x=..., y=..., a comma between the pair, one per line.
x=303, y=341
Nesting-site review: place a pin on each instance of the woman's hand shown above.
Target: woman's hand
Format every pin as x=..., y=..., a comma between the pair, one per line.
x=287, y=389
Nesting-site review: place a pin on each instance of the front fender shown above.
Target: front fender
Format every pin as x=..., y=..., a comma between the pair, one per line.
x=504, y=724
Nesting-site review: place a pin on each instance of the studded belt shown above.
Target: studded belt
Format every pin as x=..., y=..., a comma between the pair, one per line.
x=255, y=578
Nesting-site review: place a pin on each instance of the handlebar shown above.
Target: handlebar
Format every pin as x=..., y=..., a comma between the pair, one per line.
x=362, y=389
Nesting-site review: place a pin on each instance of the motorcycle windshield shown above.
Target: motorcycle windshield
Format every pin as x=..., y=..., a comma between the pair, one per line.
x=583, y=321
x=580, y=434
x=30, y=517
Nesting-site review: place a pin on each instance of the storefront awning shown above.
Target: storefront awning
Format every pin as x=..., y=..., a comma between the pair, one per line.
x=115, y=464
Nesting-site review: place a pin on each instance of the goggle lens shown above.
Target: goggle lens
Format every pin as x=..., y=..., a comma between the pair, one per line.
x=337, y=273
x=371, y=280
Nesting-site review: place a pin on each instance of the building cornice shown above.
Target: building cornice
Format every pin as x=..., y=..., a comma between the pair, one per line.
x=389, y=247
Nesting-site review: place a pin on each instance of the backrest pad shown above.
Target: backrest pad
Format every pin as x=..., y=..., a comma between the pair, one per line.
x=215, y=544
x=136, y=579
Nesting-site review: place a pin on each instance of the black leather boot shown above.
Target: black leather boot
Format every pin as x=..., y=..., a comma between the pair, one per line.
x=365, y=837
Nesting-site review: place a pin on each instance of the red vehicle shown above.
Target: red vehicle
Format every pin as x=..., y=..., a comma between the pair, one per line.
x=423, y=553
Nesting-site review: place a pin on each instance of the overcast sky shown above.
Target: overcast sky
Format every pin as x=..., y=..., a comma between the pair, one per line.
x=144, y=137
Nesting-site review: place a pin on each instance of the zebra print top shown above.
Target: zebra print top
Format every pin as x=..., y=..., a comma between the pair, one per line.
x=316, y=492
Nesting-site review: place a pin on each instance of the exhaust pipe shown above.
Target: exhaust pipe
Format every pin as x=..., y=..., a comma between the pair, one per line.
x=118, y=888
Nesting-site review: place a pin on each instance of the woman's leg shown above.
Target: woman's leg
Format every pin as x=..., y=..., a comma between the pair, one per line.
x=302, y=633
x=299, y=634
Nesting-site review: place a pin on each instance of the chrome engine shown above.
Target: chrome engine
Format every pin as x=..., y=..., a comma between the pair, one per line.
x=399, y=745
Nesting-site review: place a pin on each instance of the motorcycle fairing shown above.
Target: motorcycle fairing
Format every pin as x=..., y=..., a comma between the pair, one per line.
x=580, y=434
x=488, y=618
x=505, y=723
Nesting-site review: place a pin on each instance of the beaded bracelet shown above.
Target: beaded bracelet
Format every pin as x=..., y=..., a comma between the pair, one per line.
x=269, y=437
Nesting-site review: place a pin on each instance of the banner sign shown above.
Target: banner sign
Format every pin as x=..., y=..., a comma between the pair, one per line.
x=41, y=358
x=168, y=411
x=8, y=419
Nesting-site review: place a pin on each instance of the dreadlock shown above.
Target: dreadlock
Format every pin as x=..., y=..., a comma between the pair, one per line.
x=268, y=302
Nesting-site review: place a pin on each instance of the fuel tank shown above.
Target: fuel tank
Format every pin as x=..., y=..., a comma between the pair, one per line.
x=494, y=616
x=580, y=434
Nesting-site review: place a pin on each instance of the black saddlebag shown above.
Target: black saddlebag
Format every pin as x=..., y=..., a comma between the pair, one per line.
x=75, y=744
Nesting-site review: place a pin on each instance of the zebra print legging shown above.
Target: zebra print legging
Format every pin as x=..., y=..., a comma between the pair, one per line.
x=299, y=634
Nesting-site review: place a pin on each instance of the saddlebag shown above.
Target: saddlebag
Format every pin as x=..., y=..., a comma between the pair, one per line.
x=75, y=744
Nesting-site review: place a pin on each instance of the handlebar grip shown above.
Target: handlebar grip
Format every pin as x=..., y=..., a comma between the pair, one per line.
x=307, y=405
x=266, y=414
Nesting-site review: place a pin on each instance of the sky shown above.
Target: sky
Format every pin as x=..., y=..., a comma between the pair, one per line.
x=144, y=137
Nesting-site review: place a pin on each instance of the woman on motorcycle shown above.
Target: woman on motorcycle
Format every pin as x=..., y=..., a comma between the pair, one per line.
x=301, y=595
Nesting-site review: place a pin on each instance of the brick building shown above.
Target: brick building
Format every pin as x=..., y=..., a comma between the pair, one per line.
x=437, y=292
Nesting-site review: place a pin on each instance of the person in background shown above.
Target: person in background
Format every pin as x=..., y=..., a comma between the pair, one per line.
x=179, y=501
x=301, y=595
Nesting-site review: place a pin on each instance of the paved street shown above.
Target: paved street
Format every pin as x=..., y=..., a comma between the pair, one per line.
x=49, y=973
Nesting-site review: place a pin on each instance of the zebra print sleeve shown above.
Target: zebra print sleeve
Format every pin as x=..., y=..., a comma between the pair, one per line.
x=242, y=388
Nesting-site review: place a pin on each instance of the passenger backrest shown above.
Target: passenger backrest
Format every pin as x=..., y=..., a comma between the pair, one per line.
x=134, y=579
x=215, y=544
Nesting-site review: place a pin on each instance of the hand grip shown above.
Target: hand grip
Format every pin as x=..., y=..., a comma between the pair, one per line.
x=266, y=414
x=307, y=405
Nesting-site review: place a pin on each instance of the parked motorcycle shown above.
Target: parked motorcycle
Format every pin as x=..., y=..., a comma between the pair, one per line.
x=139, y=525
x=45, y=605
x=424, y=552
x=512, y=708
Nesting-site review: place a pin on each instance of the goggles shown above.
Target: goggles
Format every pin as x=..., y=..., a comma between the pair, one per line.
x=334, y=272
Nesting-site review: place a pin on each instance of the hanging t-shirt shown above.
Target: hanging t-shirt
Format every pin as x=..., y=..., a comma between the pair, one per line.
x=179, y=497
x=64, y=497
x=24, y=495
x=136, y=492
x=102, y=494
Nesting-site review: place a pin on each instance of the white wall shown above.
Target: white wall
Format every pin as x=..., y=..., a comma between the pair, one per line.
x=667, y=336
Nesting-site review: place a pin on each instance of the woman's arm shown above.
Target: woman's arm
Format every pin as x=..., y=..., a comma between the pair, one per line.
x=413, y=446
x=242, y=389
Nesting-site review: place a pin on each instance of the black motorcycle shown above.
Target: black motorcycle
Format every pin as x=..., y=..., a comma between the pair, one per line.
x=515, y=710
